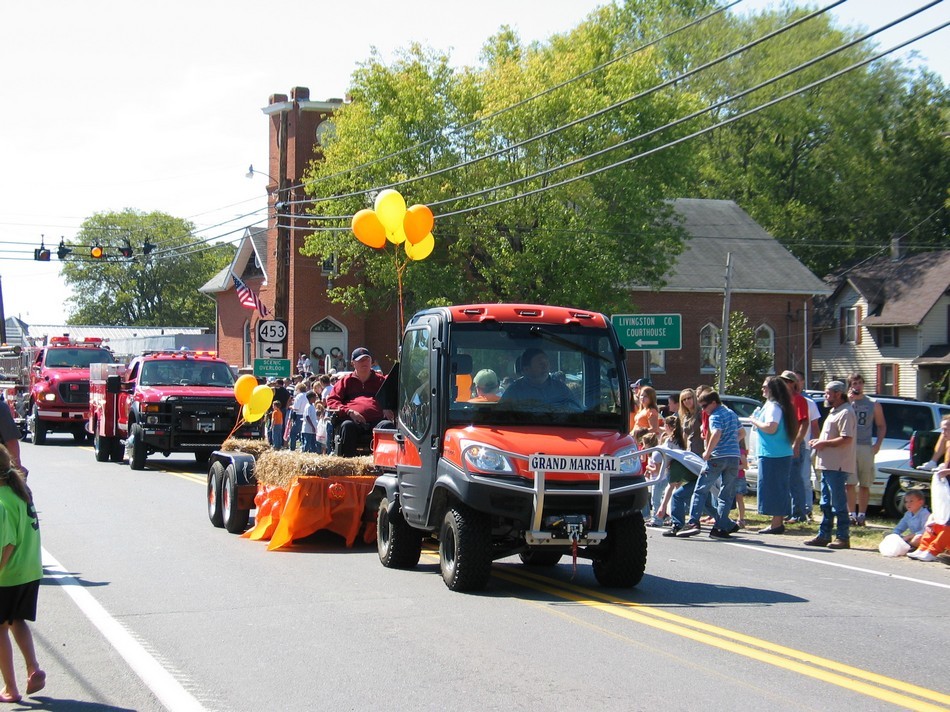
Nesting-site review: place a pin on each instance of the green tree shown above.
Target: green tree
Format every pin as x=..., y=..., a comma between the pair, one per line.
x=569, y=244
x=746, y=364
x=834, y=172
x=160, y=289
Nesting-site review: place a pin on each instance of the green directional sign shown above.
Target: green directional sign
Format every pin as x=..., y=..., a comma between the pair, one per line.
x=649, y=332
x=272, y=367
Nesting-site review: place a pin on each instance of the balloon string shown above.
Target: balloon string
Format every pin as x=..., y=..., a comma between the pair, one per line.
x=238, y=424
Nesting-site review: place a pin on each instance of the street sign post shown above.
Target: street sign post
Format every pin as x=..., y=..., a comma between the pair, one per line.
x=272, y=367
x=649, y=332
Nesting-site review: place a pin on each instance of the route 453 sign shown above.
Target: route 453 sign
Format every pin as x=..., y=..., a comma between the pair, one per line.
x=645, y=332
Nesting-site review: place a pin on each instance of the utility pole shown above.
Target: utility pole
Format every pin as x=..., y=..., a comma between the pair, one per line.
x=282, y=288
x=3, y=319
x=724, y=336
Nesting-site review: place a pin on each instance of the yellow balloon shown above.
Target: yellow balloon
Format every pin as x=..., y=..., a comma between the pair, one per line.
x=251, y=416
x=243, y=387
x=390, y=209
x=261, y=398
x=421, y=249
x=397, y=236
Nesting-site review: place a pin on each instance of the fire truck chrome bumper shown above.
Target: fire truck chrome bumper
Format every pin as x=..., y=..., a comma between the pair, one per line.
x=64, y=414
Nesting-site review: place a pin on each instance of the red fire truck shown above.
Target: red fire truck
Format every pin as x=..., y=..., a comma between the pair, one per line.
x=164, y=401
x=58, y=377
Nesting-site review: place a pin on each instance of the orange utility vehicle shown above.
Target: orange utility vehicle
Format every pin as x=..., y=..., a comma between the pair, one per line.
x=59, y=385
x=164, y=401
x=544, y=470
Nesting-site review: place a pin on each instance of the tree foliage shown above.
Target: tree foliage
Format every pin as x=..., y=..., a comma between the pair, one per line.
x=829, y=173
x=156, y=290
x=571, y=244
x=746, y=364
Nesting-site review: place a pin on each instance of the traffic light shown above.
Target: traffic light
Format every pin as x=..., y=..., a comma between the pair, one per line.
x=41, y=254
x=126, y=251
x=96, y=252
x=62, y=250
x=147, y=247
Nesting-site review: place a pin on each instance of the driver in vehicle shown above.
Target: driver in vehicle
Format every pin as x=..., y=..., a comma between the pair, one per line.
x=536, y=387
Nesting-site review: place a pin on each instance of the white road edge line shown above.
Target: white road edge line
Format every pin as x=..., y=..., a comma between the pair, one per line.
x=765, y=550
x=161, y=682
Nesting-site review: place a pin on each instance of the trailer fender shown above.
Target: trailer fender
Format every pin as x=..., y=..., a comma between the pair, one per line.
x=243, y=465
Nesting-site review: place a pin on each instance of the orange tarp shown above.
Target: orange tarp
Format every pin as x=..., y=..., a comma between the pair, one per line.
x=308, y=508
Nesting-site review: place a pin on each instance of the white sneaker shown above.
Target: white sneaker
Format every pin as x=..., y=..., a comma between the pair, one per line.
x=925, y=556
x=916, y=554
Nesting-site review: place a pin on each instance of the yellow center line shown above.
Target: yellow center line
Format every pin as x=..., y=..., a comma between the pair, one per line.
x=734, y=642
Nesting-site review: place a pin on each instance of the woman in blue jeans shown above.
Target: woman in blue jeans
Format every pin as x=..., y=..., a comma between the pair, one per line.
x=777, y=426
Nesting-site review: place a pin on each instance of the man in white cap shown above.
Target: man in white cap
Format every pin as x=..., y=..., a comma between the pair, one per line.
x=354, y=397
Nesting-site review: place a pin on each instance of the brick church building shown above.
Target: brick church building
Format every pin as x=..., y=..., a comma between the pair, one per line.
x=293, y=287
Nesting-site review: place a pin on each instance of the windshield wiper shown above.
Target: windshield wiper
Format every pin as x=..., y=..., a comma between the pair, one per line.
x=558, y=339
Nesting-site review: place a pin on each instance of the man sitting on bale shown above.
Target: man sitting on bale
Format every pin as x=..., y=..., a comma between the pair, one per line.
x=354, y=398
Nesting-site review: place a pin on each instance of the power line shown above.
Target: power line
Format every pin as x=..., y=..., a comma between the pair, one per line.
x=500, y=112
x=583, y=119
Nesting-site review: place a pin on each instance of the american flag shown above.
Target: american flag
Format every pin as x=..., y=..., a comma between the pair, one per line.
x=247, y=297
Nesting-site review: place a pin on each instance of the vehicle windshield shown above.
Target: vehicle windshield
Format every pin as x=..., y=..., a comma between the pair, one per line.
x=522, y=374
x=77, y=358
x=186, y=372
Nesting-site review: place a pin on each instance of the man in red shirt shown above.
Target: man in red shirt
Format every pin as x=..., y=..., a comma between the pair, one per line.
x=354, y=397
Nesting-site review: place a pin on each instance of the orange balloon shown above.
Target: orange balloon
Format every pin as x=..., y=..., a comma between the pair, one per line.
x=368, y=229
x=418, y=223
x=243, y=387
x=421, y=250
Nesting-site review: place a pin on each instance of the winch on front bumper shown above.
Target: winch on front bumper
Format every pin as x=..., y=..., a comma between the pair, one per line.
x=561, y=511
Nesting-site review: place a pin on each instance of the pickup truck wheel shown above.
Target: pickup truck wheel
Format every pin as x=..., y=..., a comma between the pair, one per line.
x=38, y=435
x=202, y=457
x=398, y=544
x=539, y=557
x=235, y=520
x=465, y=549
x=102, y=446
x=137, y=457
x=624, y=553
x=893, y=501
x=215, y=476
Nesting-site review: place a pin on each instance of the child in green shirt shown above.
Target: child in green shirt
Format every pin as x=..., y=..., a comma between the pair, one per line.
x=21, y=569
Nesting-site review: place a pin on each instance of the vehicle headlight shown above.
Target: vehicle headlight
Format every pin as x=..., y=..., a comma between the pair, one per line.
x=486, y=459
x=151, y=419
x=629, y=460
x=49, y=396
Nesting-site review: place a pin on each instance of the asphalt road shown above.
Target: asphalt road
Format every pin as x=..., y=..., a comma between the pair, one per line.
x=146, y=606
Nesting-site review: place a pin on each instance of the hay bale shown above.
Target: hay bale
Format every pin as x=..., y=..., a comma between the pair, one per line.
x=279, y=468
x=251, y=447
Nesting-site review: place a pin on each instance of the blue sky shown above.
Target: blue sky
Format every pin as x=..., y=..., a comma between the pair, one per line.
x=110, y=104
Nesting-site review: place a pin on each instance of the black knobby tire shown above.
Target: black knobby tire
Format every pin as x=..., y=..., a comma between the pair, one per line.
x=79, y=435
x=137, y=457
x=38, y=436
x=540, y=557
x=215, y=512
x=399, y=545
x=102, y=446
x=623, y=554
x=465, y=549
x=202, y=457
x=893, y=501
x=235, y=519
